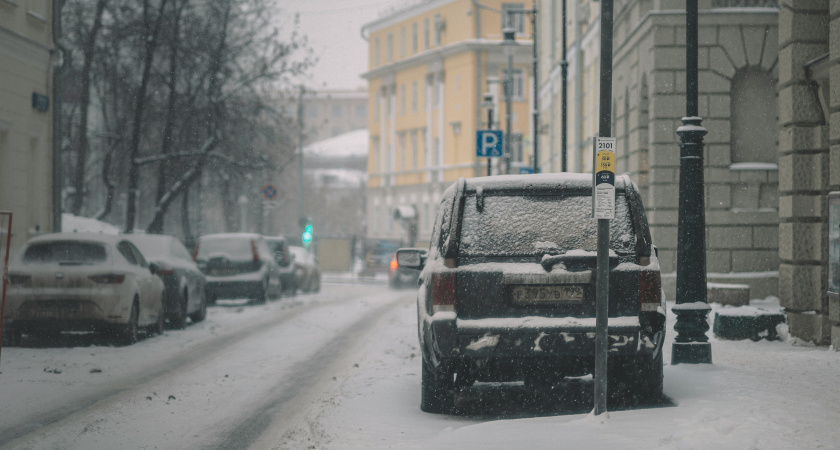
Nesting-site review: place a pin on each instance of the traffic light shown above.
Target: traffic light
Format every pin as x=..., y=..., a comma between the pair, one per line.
x=306, y=237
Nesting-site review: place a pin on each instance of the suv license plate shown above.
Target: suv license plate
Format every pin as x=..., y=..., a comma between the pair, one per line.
x=570, y=293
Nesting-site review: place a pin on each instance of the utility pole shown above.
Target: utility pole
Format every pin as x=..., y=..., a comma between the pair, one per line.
x=509, y=44
x=300, y=156
x=564, y=77
x=602, y=288
x=536, y=113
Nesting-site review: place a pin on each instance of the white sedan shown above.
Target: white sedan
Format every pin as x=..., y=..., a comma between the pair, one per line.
x=82, y=282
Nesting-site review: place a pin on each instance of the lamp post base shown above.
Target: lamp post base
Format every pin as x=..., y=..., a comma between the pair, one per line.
x=691, y=353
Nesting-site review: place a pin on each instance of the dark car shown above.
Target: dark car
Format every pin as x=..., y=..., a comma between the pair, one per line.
x=508, y=288
x=280, y=249
x=238, y=265
x=183, y=294
x=401, y=277
x=307, y=270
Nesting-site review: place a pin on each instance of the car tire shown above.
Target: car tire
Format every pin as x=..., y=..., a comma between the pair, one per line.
x=262, y=295
x=201, y=314
x=293, y=287
x=436, y=391
x=317, y=287
x=12, y=336
x=157, y=327
x=127, y=334
x=178, y=319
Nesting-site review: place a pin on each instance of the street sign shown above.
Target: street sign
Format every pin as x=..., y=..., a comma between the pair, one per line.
x=604, y=172
x=269, y=192
x=488, y=143
x=526, y=170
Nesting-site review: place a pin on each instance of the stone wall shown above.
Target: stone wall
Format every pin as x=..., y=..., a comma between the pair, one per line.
x=741, y=189
x=805, y=162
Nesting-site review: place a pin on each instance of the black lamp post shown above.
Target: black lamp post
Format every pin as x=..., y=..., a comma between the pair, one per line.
x=509, y=44
x=691, y=343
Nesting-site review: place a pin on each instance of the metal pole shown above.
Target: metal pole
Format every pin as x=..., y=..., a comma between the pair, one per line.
x=300, y=156
x=602, y=289
x=508, y=93
x=691, y=343
x=489, y=127
x=536, y=112
x=564, y=76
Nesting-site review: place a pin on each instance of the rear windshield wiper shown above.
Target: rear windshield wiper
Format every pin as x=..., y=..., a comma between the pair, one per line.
x=575, y=260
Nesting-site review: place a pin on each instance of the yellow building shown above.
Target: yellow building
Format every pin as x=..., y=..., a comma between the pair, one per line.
x=429, y=67
x=26, y=117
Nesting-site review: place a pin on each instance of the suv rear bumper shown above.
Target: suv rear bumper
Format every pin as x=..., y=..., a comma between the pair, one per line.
x=534, y=337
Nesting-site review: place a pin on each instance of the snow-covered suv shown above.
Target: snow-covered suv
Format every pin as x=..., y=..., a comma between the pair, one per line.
x=508, y=287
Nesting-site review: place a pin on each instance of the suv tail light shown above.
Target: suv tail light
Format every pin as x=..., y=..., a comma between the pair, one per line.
x=108, y=278
x=164, y=270
x=254, y=251
x=650, y=291
x=443, y=292
x=394, y=264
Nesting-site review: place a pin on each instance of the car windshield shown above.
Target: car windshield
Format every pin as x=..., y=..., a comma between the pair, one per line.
x=524, y=225
x=232, y=247
x=66, y=252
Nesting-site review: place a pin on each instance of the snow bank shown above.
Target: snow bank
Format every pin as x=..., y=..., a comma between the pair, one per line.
x=77, y=224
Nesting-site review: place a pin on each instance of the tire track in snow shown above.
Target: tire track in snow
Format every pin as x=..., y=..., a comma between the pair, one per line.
x=288, y=402
x=41, y=423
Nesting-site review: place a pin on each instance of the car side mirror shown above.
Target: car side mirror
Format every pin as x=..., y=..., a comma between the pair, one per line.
x=153, y=268
x=411, y=258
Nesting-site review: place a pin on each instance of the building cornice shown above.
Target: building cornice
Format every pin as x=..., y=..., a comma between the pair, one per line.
x=523, y=54
x=403, y=14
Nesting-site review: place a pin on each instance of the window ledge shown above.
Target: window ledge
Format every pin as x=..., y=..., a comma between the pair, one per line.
x=8, y=2
x=36, y=16
x=754, y=166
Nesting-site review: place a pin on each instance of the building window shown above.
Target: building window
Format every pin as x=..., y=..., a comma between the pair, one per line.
x=414, y=37
x=414, y=160
x=426, y=33
x=402, y=99
x=438, y=95
x=376, y=110
x=390, y=47
x=402, y=42
x=336, y=111
x=374, y=144
x=427, y=93
x=376, y=52
x=414, y=96
x=518, y=78
x=515, y=21
x=438, y=29
x=402, y=152
x=517, y=148
x=754, y=117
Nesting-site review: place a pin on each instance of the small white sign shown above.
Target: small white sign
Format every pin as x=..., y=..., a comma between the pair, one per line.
x=603, y=201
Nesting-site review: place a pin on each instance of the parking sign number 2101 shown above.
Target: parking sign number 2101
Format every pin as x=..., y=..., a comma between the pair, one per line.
x=608, y=145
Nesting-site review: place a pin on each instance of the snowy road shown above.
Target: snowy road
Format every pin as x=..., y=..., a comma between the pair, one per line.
x=341, y=369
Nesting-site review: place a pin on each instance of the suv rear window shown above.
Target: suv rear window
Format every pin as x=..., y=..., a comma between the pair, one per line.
x=524, y=225
x=72, y=252
x=234, y=248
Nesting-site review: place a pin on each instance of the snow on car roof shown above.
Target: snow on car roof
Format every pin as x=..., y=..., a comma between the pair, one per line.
x=231, y=236
x=92, y=237
x=542, y=181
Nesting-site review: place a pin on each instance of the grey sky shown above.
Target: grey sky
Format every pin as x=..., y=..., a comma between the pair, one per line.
x=333, y=28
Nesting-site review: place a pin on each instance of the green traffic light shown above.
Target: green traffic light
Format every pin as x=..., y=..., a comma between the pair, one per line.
x=306, y=237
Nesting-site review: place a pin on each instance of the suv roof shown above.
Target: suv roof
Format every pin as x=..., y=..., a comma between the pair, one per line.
x=580, y=183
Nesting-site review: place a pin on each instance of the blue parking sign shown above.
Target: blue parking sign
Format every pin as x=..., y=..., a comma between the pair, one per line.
x=488, y=143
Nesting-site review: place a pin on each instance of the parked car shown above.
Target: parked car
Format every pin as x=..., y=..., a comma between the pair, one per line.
x=280, y=249
x=183, y=294
x=307, y=270
x=238, y=265
x=508, y=287
x=401, y=277
x=83, y=282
